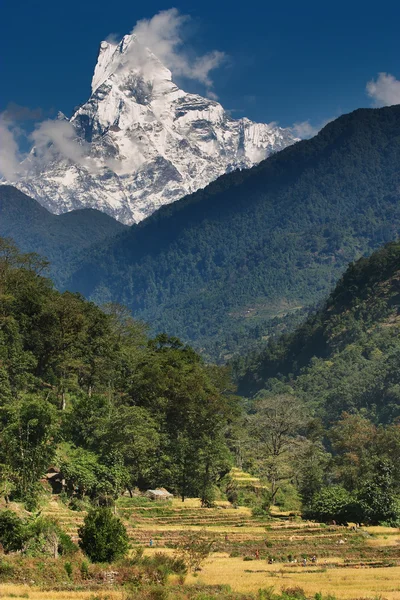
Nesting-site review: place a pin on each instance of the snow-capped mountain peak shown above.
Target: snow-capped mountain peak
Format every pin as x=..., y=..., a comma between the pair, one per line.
x=141, y=142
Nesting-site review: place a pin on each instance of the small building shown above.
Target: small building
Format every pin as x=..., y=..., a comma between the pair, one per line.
x=56, y=479
x=159, y=494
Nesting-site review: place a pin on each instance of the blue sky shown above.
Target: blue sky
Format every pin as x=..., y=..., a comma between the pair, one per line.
x=288, y=62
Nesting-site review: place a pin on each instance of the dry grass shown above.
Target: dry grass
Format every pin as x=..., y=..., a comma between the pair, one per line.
x=343, y=582
x=329, y=576
x=213, y=529
x=383, y=542
x=9, y=590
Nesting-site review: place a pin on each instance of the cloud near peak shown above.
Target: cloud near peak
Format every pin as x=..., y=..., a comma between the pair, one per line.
x=165, y=35
x=385, y=90
x=305, y=130
x=10, y=156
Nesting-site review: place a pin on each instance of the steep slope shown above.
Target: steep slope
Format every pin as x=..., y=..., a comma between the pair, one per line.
x=347, y=355
x=57, y=238
x=141, y=142
x=258, y=242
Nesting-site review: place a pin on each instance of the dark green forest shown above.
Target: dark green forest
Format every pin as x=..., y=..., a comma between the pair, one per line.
x=57, y=238
x=343, y=367
x=345, y=357
x=217, y=266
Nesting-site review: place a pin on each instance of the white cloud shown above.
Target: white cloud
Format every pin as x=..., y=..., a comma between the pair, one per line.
x=385, y=91
x=163, y=34
x=212, y=95
x=305, y=130
x=10, y=157
x=54, y=137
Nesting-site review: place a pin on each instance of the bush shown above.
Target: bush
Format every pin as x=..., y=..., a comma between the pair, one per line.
x=194, y=548
x=103, y=537
x=378, y=504
x=333, y=504
x=68, y=569
x=84, y=569
x=66, y=546
x=45, y=536
x=79, y=504
x=6, y=571
x=12, y=531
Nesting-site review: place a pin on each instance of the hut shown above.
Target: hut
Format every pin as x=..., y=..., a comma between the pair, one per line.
x=56, y=479
x=159, y=494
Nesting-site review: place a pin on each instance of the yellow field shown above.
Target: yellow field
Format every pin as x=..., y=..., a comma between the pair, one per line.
x=31, y=593
x=350, y=564
x=343, y=582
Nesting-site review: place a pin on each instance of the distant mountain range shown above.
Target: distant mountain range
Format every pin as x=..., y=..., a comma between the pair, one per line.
x=140, y=142
x=256, y=244
x=58, y=238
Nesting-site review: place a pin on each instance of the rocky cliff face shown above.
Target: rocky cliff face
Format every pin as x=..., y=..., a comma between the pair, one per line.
x=143, y=142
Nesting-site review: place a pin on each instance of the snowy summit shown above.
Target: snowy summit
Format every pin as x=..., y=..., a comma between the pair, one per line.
x=140, y=142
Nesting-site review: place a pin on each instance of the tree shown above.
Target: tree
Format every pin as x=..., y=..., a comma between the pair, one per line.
x=352, y=439
x=191, y=404
x=194, y=547
x=103, y=537
x=28, y=434
x=377, y=497
x=275, y=426
x=45, y=536
x=310, y=465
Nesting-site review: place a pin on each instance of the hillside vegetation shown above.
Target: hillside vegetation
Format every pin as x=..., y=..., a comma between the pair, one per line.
x=347, y=355
x=260, y=243
x=58, y=238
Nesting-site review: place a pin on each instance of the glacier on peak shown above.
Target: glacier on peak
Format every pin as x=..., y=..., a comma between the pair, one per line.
x=146, y=141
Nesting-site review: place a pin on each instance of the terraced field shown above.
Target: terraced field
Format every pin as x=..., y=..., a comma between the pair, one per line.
x=281, y=539
x=252, y=553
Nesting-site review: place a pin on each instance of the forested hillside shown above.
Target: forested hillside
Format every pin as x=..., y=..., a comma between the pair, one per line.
x=260, y=243
x=58, y=238
x=88, y=391
x=346, y=357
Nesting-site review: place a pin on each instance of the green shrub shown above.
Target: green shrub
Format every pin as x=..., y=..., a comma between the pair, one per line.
x=68, y=569
x=103, y=536
x=84, y=569
x=6, y=571
x=79, y=504
x=12, y=531
x=66, y=546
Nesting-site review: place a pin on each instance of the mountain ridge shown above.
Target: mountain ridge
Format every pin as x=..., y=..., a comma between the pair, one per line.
x=140, y=142
x=57, y=238
x=283, y=231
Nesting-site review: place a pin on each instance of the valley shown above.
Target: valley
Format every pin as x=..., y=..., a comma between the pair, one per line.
x=200, y=302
